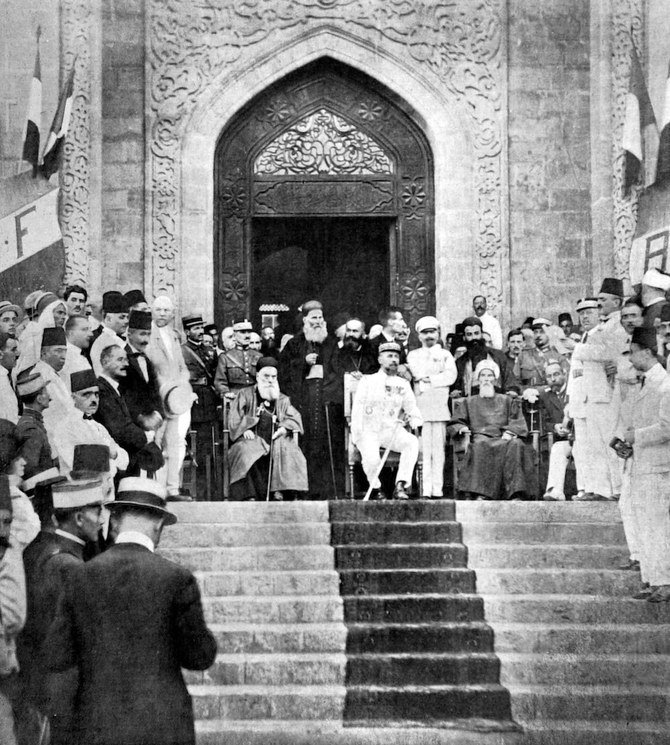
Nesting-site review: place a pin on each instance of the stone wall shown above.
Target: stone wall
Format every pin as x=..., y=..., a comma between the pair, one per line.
x=549, y=155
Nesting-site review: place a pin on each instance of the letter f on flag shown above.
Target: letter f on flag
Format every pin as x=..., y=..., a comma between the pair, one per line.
x=31, y=140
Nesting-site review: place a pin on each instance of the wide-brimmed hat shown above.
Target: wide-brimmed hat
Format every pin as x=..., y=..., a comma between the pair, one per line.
x=177, y=397
x=46, y=477
x=143, y=493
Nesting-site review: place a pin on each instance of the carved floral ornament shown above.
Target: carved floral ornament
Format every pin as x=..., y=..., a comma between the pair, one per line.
x=323, y=143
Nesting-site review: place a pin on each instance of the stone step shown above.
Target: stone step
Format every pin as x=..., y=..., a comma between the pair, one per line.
x=281, y=610
x=348, y=511
x=422, y=669
x=381, y=533
x=268, y=702
x=401, y=556
x=579, y=609
x=303, y=582
x=623, y=703
x=425, y=703
x=537, y=512
x=272, y=732
x=246, y=558
x=250, y=512
x=413, y=608
x=571, y=638
x=272, y=670
x=558, y=581
x=511, y=556
x=280, y=638
x=474, y=636
x=477, y=533
x=576, y=732
x=241, y=534
x=406, y=581
x=585, y=669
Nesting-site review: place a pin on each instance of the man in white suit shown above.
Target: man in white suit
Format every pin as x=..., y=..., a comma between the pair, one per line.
x=164, y=351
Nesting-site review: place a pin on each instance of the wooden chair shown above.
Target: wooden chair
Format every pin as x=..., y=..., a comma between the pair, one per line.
x=354, y=456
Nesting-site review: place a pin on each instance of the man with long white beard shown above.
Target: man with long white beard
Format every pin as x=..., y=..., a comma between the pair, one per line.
x=262, y=422
x=307, y=377
x=498, y=465
x=383, y=401
x=466, y=382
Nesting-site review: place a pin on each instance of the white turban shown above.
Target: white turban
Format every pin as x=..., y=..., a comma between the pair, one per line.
x=486, y=365
x=659, y=280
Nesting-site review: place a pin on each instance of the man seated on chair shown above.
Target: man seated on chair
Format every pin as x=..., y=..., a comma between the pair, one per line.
x=382, y=403
x=497, y=463
x=262, y=422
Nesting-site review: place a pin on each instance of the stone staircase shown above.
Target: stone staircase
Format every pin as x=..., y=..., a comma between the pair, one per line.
x=419, y=652
x=270, y=595
x=584, y=663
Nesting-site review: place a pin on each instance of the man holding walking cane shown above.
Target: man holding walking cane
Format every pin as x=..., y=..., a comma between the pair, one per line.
x=382, y=403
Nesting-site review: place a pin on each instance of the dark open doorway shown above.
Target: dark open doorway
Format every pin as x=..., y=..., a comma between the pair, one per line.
x=343, y=261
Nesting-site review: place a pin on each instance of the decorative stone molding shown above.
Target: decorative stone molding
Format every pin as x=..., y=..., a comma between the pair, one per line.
x=77, y=19
x=458, y=44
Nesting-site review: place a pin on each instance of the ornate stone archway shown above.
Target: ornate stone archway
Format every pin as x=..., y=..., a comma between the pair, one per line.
x=326, y=141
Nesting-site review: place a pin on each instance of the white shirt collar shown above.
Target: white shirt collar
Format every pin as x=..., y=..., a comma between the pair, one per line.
x=111, y=381
x=134, y=536
x=69, y=536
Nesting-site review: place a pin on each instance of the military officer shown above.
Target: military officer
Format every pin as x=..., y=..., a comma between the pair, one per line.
x=530, y=365
x=236, y=368
x=31, y=435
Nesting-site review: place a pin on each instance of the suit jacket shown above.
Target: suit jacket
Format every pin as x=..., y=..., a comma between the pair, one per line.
x=113, y=414
x=553, y=406
x=141, y=397
x=129, y=641
x=168, y=364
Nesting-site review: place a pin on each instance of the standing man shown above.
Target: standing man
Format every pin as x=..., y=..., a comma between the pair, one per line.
x=236, y=368
x=269, y=346
x=655, y=284
x=530, y=364
x=433, y=370
x=113, y=327
x=9, y=317
x=392, y=323
x=645, y=427
x=78, y=337
x=164, y=350
x=565, y=324
x=129, y=640
x=382, y=402
x=52, y=361
x=9, y=405
x=307, y=378
x=201, y=368
x=466, y=383
x=75, y=297
x=31, y=436
x=490, y=324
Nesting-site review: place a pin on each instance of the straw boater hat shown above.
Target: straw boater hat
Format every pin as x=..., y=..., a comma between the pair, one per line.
x=47, y=477
x=5, y=305
x=28, y=381
x=144, y=494
x=72, y=495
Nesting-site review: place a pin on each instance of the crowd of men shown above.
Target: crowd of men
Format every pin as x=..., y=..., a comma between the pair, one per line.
x=96, y=404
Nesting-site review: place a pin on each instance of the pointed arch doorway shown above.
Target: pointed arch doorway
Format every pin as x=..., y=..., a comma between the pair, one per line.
x=323, y=188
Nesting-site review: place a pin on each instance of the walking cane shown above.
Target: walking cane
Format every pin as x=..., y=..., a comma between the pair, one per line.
x=272, y=443
x=330, y=451
x=382, y=461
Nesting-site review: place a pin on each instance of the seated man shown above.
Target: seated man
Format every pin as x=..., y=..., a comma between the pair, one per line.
x=497, y=464
x=261, y=423
x=383, y=401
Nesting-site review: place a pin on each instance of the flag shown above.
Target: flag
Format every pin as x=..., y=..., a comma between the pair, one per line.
x=31, y=139
x=54, y=146
x=640, y=133
x=663, y=162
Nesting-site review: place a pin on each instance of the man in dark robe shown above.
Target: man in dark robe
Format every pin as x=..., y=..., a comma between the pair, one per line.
x=307, y=377
x=262, y=422
x=498, y=464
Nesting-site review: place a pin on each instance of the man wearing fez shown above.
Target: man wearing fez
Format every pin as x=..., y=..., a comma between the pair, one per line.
x=129, y=640
x=382, y=403
x=466, y=383
x=201, y=370
x=113, y=414
x=52, y=360
x=307, y=378
x=136, y=301
x=599, y=356
x=642, y=439
x=31, y=435
x=80, y=428
x=262, y=419
x=78, y=336
x=236, y=367
x=497, y=465
x=139, y=388
x=77, y=515
x=113, y=327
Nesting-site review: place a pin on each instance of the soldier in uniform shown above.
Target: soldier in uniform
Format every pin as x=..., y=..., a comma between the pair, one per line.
x=31, y=436
x=201, y=368
x=236, y=368
x=380, y=401
x=530, y=364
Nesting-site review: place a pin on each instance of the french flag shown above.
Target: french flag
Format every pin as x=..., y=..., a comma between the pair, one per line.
x=31, y=139
x=663, y=162
x=54, y=147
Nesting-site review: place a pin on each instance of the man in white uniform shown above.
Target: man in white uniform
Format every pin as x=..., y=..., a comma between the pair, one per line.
x=381, y=400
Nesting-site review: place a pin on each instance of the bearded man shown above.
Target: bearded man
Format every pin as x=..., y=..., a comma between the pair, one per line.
x=498, y=464
x=306, y=375
x=476, y=351
x=262, y=422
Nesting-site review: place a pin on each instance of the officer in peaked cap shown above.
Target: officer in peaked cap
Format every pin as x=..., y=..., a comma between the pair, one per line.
x=236, y=367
